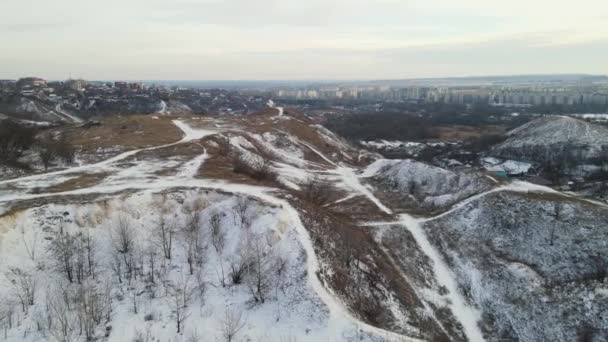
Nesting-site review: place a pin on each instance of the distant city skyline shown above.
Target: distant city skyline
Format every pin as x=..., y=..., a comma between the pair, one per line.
x=300, y=40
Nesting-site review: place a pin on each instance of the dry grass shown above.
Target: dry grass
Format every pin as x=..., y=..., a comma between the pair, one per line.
x=344, y=246
x=83, y=181
x=137, y=131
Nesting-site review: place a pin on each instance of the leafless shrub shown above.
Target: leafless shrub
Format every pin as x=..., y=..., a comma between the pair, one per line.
x=45, y=150
x=257, y=167
x=261, y=261
x=15, y=139
x=238, y=268
x=24, y=287
x=231, y=324
x=316, y=192
x=64, y=150
x=240, y=212
x=123, y=240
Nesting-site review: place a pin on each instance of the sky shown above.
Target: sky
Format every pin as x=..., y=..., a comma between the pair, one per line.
x=300, y=39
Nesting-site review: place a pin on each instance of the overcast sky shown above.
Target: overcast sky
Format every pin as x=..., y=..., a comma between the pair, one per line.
x=300, y=39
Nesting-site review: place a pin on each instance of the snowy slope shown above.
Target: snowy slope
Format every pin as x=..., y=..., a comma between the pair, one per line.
x=535, y=264
x=548, y=137
x=431, y=186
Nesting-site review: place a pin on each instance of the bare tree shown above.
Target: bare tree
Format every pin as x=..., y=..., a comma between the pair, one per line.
x=89, y=246
x=218, y=242
x=91, y=309
x=152, y=256
x=261, y=260
x=557, y=213
x=123, y=240
x=63, y=251
x=217, y=235
x=30, y=242
x=165, y=232
x=46, y=153
x=123, y=237
x=24, y=287
x=61, y=320
x=181, y=294
x=7, y=314
x=231, y=324
x=116, y=266
x=193, y=240
x=240, y=212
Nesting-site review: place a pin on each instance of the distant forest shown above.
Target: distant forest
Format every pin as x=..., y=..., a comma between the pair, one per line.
x=393, y=123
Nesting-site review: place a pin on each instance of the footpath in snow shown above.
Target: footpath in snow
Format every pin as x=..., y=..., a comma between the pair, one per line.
x=340, y=318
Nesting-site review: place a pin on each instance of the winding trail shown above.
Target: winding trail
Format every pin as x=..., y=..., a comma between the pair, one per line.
x=339, y=317
x=347, y=178
x=189, y=135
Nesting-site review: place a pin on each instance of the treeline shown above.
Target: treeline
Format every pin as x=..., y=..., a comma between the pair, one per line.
x=16, y=140
x=389, y=126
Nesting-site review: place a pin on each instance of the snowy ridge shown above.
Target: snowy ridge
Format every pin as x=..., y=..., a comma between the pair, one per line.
x=543, y=132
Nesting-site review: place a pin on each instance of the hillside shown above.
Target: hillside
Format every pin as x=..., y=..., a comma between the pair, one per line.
x=572, y=146
x=270, y=227
x=423, y=185
x=532, y=263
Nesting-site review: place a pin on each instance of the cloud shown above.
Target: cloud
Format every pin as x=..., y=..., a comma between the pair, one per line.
x=236, y=39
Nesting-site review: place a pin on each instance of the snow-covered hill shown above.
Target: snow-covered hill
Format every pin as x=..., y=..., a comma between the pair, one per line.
x=533, y=263
x=573, y=146
x=426, y=185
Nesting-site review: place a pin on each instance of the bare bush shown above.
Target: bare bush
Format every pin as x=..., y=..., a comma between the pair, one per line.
x=240, y=212
x=64, y=150
x=46, y=151
x=15, y=139
x=257, y=167
x=238, y=268
x=261, y=261
x=231, y=324
x=24, y=287
x=316, y=192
